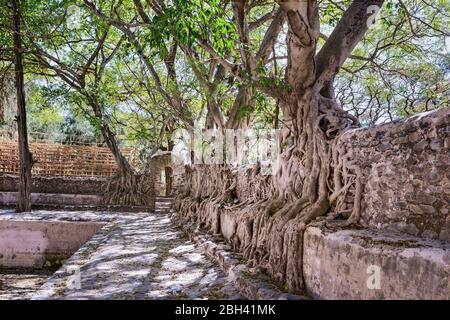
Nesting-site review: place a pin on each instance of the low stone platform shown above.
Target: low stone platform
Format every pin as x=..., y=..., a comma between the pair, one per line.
x=364, y=264
x=39, y=244
x=133, y=256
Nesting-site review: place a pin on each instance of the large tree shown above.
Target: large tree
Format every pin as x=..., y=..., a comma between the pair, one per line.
x=25, y=160
x=311, y=117
x=80, y=57
x=299, y=65
x=308, y=177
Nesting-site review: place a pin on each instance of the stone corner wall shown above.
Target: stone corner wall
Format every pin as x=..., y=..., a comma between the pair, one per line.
x=406, y=168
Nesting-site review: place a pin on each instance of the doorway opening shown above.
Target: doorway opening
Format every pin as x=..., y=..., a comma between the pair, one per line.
x=166, y=178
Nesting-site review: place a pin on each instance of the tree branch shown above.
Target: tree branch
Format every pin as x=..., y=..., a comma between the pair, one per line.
x=271, y=36
x=344, y=38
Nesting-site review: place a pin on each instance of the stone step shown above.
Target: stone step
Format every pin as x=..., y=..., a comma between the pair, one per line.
x=164, y=199
x=163, y=204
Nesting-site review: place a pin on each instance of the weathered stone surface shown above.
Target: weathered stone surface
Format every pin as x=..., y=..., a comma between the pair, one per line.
x=227, y=225
x=339, y=265
x=35, y=244
x=157, y=164
x=444, y=235
x=20, y=284
x=427, y=209
x=396, y=172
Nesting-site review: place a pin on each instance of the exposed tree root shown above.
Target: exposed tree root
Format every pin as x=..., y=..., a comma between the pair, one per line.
x=128, y=189
x=269, y=215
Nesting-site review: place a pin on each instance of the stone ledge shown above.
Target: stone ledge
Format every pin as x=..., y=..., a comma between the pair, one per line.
x=10, y=198
x=251, y=285
x=336, y=265
x=70, y=202
x=67, y=185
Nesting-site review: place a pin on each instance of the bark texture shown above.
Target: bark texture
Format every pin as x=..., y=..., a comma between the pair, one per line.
x=24, y=199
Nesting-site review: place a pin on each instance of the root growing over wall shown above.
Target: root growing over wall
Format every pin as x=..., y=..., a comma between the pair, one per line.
x=129, y=189
x=313, y=178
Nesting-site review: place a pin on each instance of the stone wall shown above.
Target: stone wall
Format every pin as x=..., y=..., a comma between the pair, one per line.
x=54, y=200
x=74, y=192
x=406, y=175
x=65, y=185
x=406, y=168
x=405, y=171
x=368, y=264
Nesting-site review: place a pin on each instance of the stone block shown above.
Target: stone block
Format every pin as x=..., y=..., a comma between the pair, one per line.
x=358, y=264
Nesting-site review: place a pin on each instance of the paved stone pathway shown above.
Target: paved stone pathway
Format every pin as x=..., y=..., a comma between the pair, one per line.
x=134, y=256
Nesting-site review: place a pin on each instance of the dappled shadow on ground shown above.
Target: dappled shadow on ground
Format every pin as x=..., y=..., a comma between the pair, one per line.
x=135, y=256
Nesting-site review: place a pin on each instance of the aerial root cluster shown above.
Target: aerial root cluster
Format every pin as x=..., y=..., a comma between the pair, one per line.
x=128, y=189
x=314, y=177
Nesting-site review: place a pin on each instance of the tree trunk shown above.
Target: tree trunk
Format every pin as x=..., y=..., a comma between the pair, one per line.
x=310, y=174
x=3, y=99
x=276, y=122
x=24, y=198
x=243, y=99
x=110, y=139
x=125, y=187
x=304, y=165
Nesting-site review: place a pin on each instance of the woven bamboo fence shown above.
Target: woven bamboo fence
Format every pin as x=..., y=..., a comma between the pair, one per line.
x=54, y=159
